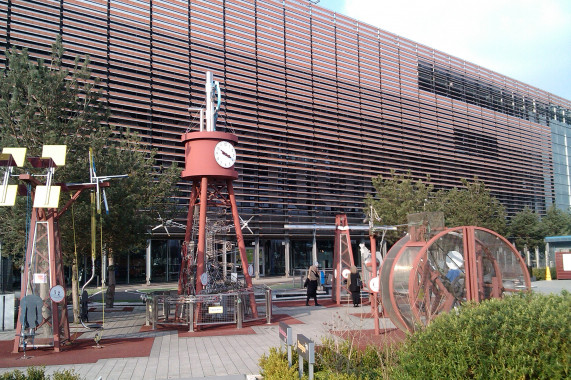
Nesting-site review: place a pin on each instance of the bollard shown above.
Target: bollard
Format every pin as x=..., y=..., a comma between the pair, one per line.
x=166, y=306
x=148, y=310
x=269, y=306
x=239, y=313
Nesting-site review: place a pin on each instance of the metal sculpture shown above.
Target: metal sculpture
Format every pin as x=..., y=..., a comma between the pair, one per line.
x=428, y=273
x=343, y=257
x=209, y=164
x=43, y=267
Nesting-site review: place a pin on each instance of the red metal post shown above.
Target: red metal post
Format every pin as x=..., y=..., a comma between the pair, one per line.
x=374, y=305
x=241, y=245
x=201, y=233
x=343, y=255
x=25, y=280
x=239, y=236
x=185, y=266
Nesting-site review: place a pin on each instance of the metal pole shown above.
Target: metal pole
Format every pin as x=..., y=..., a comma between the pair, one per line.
x=155, y=314
x=191, y=316
x=314, y=247
x=148, y=263
x=200, y=251
x=375, y=274
x=287, y=257
x=209, y=107
x=148, y=308
x=239, y=236
x=257, y=257
x=224, y=260
x=269, y=305
x=239, y=312
x=128, y=266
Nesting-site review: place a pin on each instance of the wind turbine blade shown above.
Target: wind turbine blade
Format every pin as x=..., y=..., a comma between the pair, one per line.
x=91, y=175
x=98, y=197
x=105, y=203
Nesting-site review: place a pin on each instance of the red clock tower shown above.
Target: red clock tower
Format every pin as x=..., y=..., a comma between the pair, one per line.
x=209, y=164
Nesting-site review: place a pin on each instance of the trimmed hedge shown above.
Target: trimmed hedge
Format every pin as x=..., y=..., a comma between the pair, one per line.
x=525, y=336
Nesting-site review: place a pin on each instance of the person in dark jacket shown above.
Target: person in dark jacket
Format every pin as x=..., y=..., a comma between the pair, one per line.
x=354, y=285
x=312, y=277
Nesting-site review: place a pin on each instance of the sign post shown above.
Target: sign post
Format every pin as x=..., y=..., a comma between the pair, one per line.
x=286, y=336
x=306, y=350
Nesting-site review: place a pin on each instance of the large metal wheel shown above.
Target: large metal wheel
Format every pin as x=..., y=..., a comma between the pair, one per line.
x=420, y=280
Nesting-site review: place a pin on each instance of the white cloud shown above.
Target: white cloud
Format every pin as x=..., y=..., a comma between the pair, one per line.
x=527, y=40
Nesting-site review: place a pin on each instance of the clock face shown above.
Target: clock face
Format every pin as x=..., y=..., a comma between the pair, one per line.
x=225, y=154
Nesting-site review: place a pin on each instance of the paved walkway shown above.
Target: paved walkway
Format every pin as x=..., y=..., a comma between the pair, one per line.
x=176, y=355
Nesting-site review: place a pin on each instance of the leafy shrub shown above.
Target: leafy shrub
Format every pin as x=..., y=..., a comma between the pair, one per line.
x=66, y=375
x=539, y=273
x=334, y=360
x=38, y=373
x=275, y=365
x=525, y=336
x=343, y=360
x=14, y=375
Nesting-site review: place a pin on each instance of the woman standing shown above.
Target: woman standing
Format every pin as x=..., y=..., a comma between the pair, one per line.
x=354, y=285
x=312, y=277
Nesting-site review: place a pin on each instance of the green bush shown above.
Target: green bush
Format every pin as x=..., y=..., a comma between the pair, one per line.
x=526, y=336
x=38, y=373
x=334, y=360
x=539, y=273
x=66, y=375
x=343, y=360
x=14, y=375
x=275, y=365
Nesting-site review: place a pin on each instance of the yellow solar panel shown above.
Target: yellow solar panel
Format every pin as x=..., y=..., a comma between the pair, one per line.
x=8, y=195
x=19, y=155
x=45, y=200
x=55, y=152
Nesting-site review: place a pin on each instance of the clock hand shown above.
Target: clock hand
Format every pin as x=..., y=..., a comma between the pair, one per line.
x=226, y=154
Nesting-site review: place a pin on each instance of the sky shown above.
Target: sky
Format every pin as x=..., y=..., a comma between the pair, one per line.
x=529, y=41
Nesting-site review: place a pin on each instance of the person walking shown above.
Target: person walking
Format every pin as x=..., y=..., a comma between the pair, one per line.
x=312, y=277
x=354, y=285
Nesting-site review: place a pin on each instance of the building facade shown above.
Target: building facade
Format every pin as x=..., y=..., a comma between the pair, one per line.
x=321, y=103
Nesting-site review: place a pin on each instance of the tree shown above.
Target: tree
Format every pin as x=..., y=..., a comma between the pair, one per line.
x=473, y=205
x=556, y=222
x=397, y=196
x=525, y=229
x=48, y=104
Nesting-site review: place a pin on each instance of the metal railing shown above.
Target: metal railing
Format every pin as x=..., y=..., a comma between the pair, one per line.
x=235, y=307
x=299, y=275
